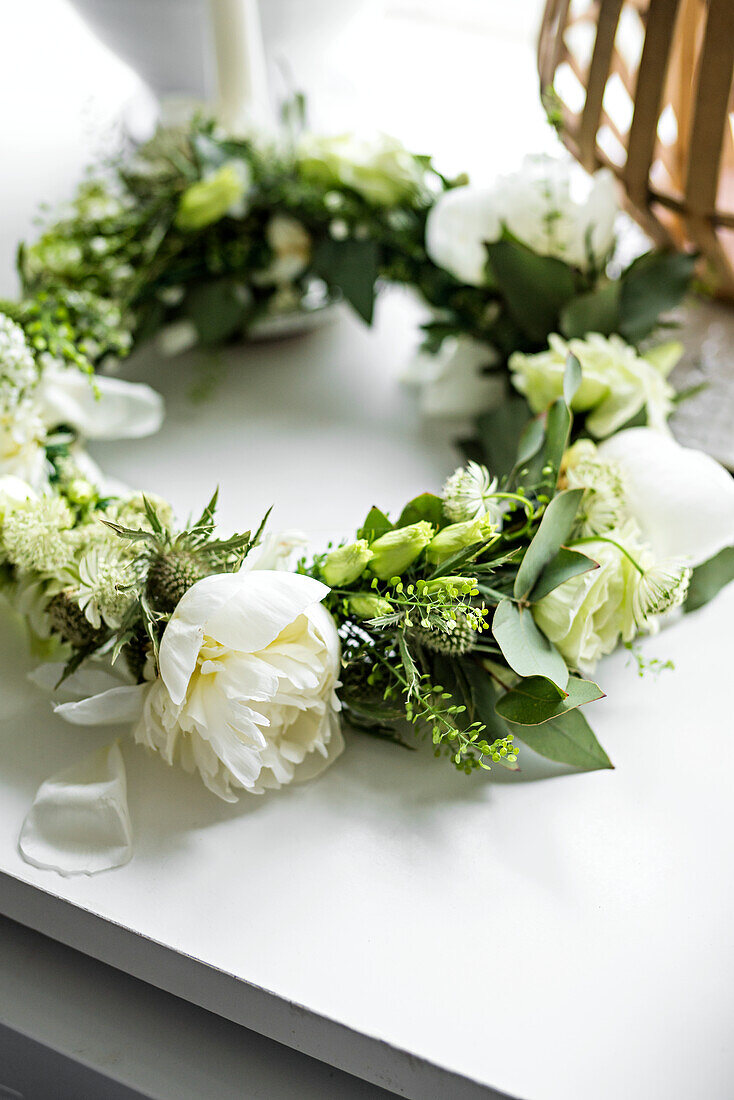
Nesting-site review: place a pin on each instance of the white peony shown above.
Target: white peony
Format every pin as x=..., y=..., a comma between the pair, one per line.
x=616, y=382
x=246, y=693
x=549, y=205
x=681, y=499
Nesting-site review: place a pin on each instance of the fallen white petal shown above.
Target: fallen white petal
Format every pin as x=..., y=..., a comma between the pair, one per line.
x=682, y=499
x=79, y=823
x=109, y=708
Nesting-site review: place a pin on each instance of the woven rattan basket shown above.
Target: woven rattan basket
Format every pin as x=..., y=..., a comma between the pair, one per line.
x=644, y=87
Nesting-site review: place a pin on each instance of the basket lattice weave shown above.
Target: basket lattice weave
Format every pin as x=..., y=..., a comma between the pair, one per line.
x=644, y=87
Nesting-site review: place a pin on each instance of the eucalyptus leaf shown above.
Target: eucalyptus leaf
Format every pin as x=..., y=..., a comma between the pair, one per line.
x=566, y=564
x=535, y=288
x=653, y=284
x=708, y=579
x=568, y=739
x=572, y=378
x=597, y=311
x=525, y=648
x=536, y=700
x=557, y=429
x=376, y=524
x=351, y=266
x=554, y=529
x=427, y=507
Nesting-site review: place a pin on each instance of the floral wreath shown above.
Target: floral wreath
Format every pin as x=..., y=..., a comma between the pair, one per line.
x=476, y=618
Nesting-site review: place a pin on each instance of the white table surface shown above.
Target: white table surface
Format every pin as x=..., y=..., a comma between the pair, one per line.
x=547, y=936
x=554, y=937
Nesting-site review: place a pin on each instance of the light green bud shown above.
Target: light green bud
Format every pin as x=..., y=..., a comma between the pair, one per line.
x=208, y=200
x=345, y=564
x=80, y=491
x=369, y=607
x=458, y=536
x=394, y=551
x=464, y=585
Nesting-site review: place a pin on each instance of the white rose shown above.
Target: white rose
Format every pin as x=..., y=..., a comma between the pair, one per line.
x=616, y=382
x=549, y=205
x=380, y=169
x=22, y=451
x=586, y=616
x=249, y=664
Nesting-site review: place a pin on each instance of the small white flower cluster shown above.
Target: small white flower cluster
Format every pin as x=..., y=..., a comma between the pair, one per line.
x=18, y=372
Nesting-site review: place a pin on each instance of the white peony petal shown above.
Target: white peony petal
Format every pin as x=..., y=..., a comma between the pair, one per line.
x=79, y=822
x=242, y=611
x=682, y=499
x=99, y=408
x=112, y=707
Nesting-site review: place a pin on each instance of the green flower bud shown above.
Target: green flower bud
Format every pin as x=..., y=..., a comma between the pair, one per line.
x=208, y=200
x=345, y=564
x=369, y=607
x=458, y=536
x=465, y=586
x=394, y=551
x=80, y=491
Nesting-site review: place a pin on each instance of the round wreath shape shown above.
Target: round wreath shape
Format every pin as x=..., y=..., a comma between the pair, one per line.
x=475, y=618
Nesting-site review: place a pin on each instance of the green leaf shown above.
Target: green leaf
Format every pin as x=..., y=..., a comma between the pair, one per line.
x=499, y=431
x=536, y=700
x=531, y=440
x=427, y=506
x=535, y=288
x=554, y=529
x=597, y=311
x=557, y=428
x=375, y=525
x=409, y=666
x=572, y=378
x=566, y=564
x=655, y=283
x=351, y=266
x=525, y=648
x=215, y=309
x=710, y=578
x=567, y=739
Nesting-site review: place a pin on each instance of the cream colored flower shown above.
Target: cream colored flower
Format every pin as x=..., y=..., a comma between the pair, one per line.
x=616, y=382
x=381, y=169
x=290, y=244
x=249, y=664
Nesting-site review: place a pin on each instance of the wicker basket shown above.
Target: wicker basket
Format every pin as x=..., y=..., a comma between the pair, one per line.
x=644, y=87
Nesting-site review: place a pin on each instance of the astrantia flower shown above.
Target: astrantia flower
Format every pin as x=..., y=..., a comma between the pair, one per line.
x=604, y=506
x=102, y=575
x=470, y=493
x=246, y=693
x=616, y=382
x=549, y=205
x=36, y=534
x=659, y=588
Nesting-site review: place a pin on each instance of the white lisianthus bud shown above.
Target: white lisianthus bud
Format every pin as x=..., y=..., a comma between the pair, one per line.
x=346, y=564
x=458, y=536
x=381, y=169
x=616, y=382
x=395, y=551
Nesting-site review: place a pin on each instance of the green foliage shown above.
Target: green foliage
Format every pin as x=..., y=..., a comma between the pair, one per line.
x=555, y=527
x=536, y=699
x=708, y=579
x=526, y=650
x=351, y=267
x=524, y=277
x=568, y=739
x=653, y=284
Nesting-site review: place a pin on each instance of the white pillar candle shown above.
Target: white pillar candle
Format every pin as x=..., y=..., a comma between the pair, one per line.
x=241, y=69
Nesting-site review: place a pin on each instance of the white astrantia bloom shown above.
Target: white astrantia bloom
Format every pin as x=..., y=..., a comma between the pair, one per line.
x=681, y=499
x=470, y=493
x=100, y=579
x=604, y=505
x=616, y=381
x=37, y=534
x=549, y=205
x=246, y=694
